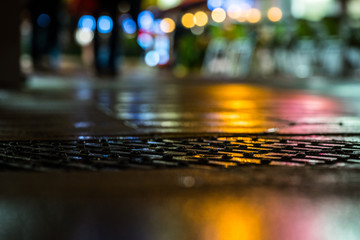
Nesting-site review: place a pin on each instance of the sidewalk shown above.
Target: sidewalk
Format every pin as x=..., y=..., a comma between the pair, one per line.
x=151, y=158
x=65, y=107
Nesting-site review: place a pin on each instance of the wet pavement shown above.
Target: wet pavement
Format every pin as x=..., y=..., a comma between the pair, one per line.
x=151, y=158
x=74, y=107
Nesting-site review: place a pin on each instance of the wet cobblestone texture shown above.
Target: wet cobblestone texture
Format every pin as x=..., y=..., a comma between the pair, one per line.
x=147, y=153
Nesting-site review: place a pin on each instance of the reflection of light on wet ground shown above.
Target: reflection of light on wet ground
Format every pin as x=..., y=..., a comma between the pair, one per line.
x=220, y=211
x=222, y=108
x=227, y=219
x=252, y=215
x=274, y=217
x=303, y=106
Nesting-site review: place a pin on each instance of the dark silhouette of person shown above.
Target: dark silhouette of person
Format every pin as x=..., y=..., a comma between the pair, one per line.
x=110, y=8
x=46, y=26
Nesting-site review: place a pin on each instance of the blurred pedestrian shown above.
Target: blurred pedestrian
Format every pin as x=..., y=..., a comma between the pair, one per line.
x=106, y=43
x=45, y=36
x=110, y=65
x=107, y=65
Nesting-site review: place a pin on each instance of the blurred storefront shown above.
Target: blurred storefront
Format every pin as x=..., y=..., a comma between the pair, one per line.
x=234, y=38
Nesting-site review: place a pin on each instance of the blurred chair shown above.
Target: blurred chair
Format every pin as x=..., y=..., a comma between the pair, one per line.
x=228, y=58
x=215, y=57
x=239, y=53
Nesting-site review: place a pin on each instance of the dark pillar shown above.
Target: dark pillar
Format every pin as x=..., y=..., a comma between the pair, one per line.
x=10, y=76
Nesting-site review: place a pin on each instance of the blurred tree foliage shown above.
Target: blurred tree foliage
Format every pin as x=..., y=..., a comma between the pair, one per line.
x=332, y=26
x=231, y=32
x=189, y=53
x=304, y=29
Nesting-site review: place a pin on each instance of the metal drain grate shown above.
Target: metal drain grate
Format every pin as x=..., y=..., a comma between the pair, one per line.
x=146, y=153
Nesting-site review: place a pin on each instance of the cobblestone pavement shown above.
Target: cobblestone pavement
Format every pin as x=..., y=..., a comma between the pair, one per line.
x=145, y=158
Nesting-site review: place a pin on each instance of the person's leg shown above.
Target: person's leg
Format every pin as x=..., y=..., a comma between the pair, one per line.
x=113, y=44
x=53, y=33
x=97, y=43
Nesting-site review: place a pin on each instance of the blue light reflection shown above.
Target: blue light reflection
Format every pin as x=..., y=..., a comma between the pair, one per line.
x=146, y=20
x=87, y=22
x=152, y=58
x=43, y=20
x=129, y=25
x=145, y=40
x=212, y=4
x=105, y=24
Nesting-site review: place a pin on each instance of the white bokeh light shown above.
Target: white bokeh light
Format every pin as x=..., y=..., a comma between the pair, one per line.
x=84, y=36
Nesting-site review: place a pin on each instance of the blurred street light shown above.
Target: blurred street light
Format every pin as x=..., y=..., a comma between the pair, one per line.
x=188, y=20
x=201, y=18
x=167, y=25
x=254, y=15
x=218, y=15
x=275, y=14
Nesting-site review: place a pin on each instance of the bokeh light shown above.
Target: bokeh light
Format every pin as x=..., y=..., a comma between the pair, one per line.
x=167, y=25
x=129, y=25
x=188, y=20
x=146, y=20
x=166, y=4
x=234, y=11
x=254, y=15
x=88, y=22
x=43, y=20
x=164, y=56
x=105, y=24
x=313, y=10
x=84, y=36
x=152, y=58
x=201, y=18
x=162, y=42
x=145, y=40
x=353, y=9
x=213, y=4
x=275, y=14
x=197, y=30
x=156, y=29
x=242, y=18
x=218, y=15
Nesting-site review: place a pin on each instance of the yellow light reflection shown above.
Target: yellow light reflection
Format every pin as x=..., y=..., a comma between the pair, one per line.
x=167, y=25
x=241, y=108
x=218, y=15
x=254, y=15
x=201, y=18
x=275, y=14
x=188, y=20
x=226, y=219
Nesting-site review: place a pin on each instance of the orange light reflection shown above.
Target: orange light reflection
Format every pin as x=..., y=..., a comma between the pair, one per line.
x=228, y=219
x=241, y=106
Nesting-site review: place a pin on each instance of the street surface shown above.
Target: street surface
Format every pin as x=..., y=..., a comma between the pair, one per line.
x=72, y=107
x=245, y=202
